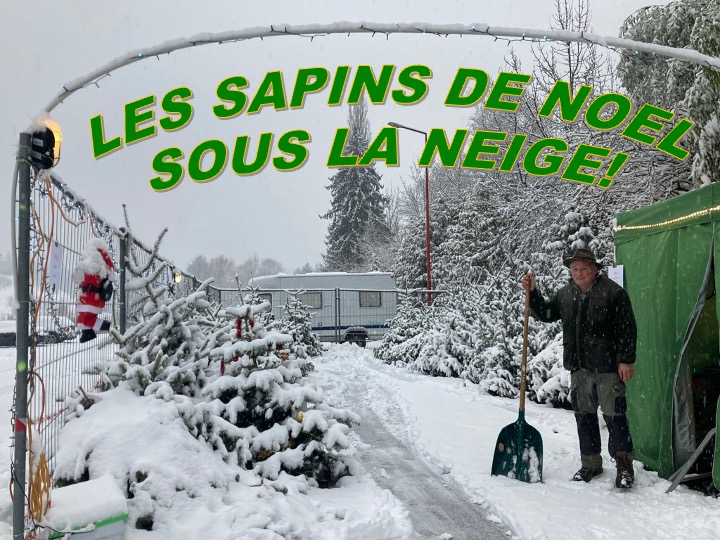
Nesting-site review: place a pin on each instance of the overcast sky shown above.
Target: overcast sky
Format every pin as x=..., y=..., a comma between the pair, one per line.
x=46, y=43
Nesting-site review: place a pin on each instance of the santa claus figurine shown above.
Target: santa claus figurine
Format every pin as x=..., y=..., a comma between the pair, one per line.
x=96, y=273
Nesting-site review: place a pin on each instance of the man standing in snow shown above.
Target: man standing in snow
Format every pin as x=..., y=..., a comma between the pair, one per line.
x=599, y=338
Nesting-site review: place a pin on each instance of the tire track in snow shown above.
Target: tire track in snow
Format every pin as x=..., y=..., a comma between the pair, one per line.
x=438, y=508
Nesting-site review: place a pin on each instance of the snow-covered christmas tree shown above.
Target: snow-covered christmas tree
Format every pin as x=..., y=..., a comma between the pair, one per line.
x=260, y=413
x=236, y=385
x=403, y=341
x=429, y=340
x=297, y=323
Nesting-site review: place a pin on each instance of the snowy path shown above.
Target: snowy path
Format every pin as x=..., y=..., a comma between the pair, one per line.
x=438, y=508
x=452, y=427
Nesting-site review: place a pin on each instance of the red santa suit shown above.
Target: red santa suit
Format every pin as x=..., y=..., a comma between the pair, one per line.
x=96, y=273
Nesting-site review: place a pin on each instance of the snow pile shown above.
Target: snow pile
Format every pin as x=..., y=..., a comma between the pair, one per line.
x=177, y=487
x=84, y=504
x=124, y=435
x=7, y=298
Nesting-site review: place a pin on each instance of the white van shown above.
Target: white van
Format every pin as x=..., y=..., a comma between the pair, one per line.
x=345, y=306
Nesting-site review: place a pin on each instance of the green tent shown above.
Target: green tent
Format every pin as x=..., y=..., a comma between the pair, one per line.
x=668, y=252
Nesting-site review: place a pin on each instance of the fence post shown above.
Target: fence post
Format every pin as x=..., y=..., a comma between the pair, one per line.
x=22, y=338
x=337, y=316
x=122, y=300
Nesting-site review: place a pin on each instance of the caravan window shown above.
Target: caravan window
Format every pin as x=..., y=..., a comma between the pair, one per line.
x=266, y=297
x=370, y=299
x=311, y=299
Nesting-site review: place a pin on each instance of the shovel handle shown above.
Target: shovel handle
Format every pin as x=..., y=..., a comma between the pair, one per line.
x=523, y=366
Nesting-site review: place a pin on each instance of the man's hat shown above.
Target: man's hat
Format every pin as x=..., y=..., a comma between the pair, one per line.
x=582, y=255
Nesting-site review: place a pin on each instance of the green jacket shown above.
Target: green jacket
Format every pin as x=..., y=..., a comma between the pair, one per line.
x=599, y=331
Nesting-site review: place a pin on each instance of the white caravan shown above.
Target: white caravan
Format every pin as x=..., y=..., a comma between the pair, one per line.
x=345, y=306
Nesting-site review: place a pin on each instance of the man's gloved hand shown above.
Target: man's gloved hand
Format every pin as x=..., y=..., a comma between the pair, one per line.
x=529, y=279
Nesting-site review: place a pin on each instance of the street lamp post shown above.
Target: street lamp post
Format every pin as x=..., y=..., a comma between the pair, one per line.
x=427, y=213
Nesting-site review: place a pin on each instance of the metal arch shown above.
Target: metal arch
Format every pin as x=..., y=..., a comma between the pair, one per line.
x=317, y=30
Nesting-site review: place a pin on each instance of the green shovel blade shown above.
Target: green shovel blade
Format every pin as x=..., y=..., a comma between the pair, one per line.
x=519, y=452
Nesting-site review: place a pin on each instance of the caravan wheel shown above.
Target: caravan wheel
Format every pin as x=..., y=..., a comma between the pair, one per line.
x=358, y=338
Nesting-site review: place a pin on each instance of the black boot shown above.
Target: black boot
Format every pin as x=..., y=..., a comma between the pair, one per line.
x=585, y=474
x=625, y=472
x=87, y=335
x=105, y=326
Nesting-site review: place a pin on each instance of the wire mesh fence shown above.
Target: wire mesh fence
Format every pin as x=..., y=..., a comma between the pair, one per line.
x=62, y=224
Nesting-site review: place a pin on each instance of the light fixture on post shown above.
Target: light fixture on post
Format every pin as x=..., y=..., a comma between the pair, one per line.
x=45, y=142
x=177, y=276
x=427, y=212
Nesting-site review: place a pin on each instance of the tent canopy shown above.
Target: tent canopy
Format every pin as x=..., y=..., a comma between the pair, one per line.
x=668, y=251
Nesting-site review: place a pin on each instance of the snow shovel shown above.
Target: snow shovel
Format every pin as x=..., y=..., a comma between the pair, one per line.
x=519, y=447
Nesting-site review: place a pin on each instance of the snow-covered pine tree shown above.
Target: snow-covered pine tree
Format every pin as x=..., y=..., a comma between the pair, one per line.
x=265, y=318
x=651, y=78
x=171, y=341
x=403, y=340
x=259, y=412
x=463, y=310
x=439, y=340
x=235, y=382
x=471, y=245
x=684, y=88
x=500, y=345
x=380, y=247
x=548, y=381
x=409, y=268
x=297, y=323
x=702, y=101
x=358, y=207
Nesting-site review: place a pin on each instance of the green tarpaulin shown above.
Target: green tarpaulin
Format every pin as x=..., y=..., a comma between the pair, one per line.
x=668, y=252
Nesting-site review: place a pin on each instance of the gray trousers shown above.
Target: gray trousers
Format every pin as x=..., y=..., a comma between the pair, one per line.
x=588, y=391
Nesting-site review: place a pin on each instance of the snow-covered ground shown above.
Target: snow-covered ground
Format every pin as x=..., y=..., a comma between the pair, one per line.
x=7, y=384
x=7, y=298
x=449, y=425
x=455, y=427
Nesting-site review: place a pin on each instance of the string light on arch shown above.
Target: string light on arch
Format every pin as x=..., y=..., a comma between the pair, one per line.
x=509, y=35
